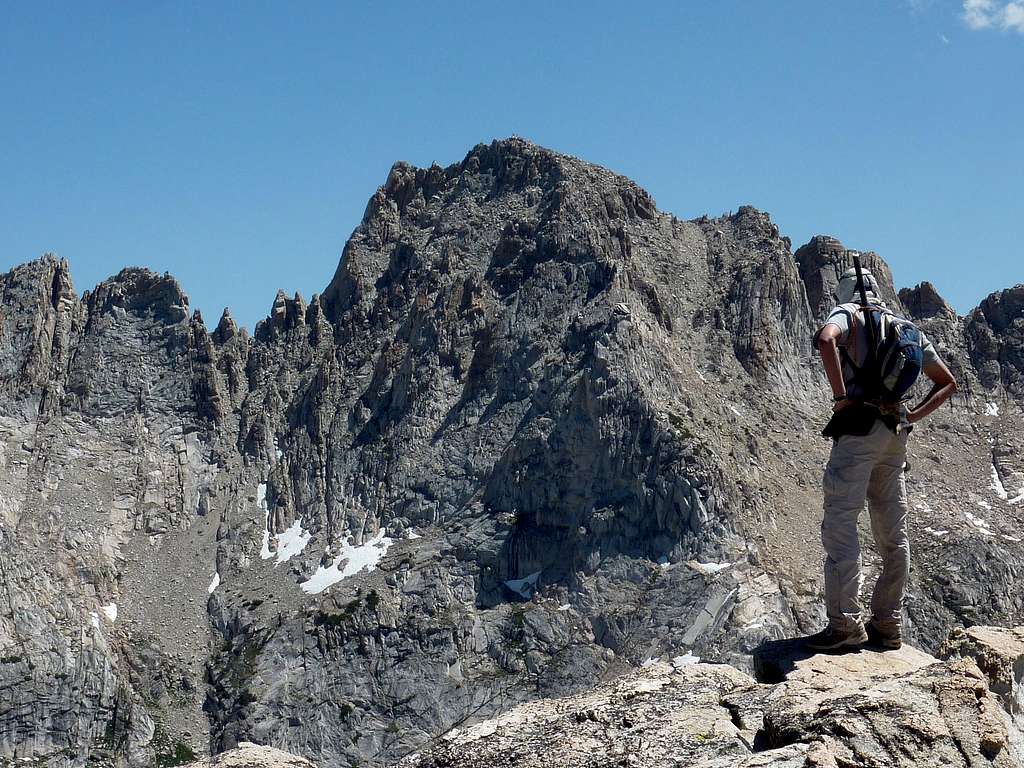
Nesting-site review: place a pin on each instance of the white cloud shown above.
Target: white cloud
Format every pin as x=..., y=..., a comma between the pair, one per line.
x=944, y=39
x=988, y=14
x=1013, y=16
x=979, y=14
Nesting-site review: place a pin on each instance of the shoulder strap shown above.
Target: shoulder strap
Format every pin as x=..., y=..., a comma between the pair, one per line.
x=851, y=338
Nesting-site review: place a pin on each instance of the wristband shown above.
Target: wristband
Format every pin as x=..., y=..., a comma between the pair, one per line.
x=837, y=398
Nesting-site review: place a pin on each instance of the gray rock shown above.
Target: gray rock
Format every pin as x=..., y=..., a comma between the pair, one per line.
x=999, y=653
x=902, y=708
x=924, y=301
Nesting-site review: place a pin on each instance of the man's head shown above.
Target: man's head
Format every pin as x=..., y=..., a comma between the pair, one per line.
x=846, y=291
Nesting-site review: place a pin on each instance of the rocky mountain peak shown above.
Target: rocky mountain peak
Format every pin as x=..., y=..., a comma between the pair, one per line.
x=995, y=334
x=38, y=312
x=924, y=300
x=140, y=291
x=510, y=186
x=226, y=328
x=1004, y=309
x=823, y=259
x=752, y=224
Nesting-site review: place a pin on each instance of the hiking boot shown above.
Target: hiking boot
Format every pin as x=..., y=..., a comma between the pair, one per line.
x=832, y=638
x=892, y=639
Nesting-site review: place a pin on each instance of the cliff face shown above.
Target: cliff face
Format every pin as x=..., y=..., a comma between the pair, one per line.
x=39, y=310
x=533, y=432
x=995, y=333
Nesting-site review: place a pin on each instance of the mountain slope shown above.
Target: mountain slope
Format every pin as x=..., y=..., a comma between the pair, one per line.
x=562, y=432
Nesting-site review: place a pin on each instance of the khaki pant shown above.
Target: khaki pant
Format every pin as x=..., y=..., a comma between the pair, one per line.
x=868, y=467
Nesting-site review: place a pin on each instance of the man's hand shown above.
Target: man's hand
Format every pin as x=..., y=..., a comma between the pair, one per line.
x=944, y=385
x=840, y=405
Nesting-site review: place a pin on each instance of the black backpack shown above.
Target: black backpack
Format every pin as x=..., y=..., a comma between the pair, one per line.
x=895, y=354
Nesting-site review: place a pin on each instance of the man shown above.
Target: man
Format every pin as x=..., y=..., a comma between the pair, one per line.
x=867, y=459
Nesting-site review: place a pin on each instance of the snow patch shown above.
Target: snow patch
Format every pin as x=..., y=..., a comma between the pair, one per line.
x=997, y=485
x=564, y=607
x=110, y=611
x=95, y=619
x=291, y=542
x=411, y=535
x=524, y=587
x=648, y=662
x=984, y=505
x=733, y=409
x=709, y=569
x=1011, y=538
x=991, y=409
x=980, y=524
x=934, y=532
x=214, y=583
x=686, y=658
x=355, y=559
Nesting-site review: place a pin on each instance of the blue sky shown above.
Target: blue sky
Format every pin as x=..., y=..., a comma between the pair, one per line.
x=235, y=144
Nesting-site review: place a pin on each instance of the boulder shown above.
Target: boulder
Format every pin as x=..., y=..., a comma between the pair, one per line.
x=999, y=653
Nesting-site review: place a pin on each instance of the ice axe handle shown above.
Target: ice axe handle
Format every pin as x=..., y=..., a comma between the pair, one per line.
x=860, y=281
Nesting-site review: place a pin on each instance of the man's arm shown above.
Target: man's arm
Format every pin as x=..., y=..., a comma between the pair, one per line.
x=828, y=346
x=944, y=386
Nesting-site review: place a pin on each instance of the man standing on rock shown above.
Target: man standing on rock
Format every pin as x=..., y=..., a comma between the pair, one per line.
x=868, y=455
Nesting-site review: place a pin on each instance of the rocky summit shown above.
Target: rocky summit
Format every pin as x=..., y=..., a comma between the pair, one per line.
x=535, y=440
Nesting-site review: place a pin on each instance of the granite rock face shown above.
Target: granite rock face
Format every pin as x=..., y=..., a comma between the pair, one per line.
x=999, y=652
x=924, y=301
x=995, y=332
x=533, y=434
x=868, y=708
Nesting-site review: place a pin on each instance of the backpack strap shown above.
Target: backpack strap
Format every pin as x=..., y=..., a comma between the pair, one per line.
x=851, y=338
x=864, y=381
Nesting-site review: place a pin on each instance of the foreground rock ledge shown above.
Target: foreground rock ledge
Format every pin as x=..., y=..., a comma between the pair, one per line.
x=867, y=708
x=247, y=755
x=1000, y=655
